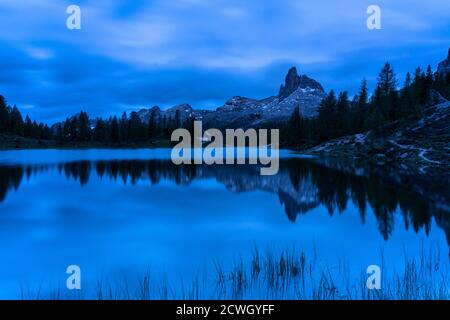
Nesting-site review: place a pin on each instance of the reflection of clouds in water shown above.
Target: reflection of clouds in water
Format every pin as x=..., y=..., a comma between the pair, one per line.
x=301, y=186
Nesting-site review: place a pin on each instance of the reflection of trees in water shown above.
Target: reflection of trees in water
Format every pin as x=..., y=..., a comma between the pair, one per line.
x=10, y=178
x=335, y=188
x=331, y=187
x=127, y=171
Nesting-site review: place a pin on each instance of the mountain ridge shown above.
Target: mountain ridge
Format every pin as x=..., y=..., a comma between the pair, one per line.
x=444, y=66
x=297, y=91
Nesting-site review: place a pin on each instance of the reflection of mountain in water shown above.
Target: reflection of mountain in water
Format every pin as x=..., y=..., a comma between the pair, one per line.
x=301, y=186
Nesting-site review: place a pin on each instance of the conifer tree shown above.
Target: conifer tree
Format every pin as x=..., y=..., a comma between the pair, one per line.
x=326, y=117
x=360, y=108
x=4, y=115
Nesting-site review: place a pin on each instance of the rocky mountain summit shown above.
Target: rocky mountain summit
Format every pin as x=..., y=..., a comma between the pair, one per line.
x=293, y=81
x=242, y=112
x=444, y=66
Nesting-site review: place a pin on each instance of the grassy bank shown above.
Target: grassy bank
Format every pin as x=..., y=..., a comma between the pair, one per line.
x=11, y=142
x=287, y=275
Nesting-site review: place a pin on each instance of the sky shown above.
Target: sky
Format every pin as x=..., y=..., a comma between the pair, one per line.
x=133, y=54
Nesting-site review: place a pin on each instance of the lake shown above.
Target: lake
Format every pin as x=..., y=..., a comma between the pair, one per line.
x=123, y=215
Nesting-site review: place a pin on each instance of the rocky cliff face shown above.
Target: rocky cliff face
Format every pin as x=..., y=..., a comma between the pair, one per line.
x=293, y=81
x=242, y=112
x=444, y=66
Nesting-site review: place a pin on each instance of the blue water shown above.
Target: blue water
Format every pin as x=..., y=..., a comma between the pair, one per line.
x=122, y=212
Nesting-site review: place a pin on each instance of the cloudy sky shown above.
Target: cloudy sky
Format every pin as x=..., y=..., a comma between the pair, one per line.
x=131, y=54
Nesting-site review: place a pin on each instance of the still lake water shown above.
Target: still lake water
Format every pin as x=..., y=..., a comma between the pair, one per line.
x=122, y=212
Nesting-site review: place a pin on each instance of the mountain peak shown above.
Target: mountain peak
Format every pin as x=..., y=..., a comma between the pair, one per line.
x=292, y=73
x=444, y=66
x=293, y=81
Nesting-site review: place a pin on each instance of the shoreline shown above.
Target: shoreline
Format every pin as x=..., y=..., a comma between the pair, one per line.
x=11, y=142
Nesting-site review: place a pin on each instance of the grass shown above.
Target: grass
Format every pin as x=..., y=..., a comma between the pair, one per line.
x=12, y=142
x=289, y=274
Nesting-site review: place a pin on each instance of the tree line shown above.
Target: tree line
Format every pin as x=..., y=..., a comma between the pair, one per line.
x=127, y=128
x=11, y=122
x=339, y=116
x=80, y=128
